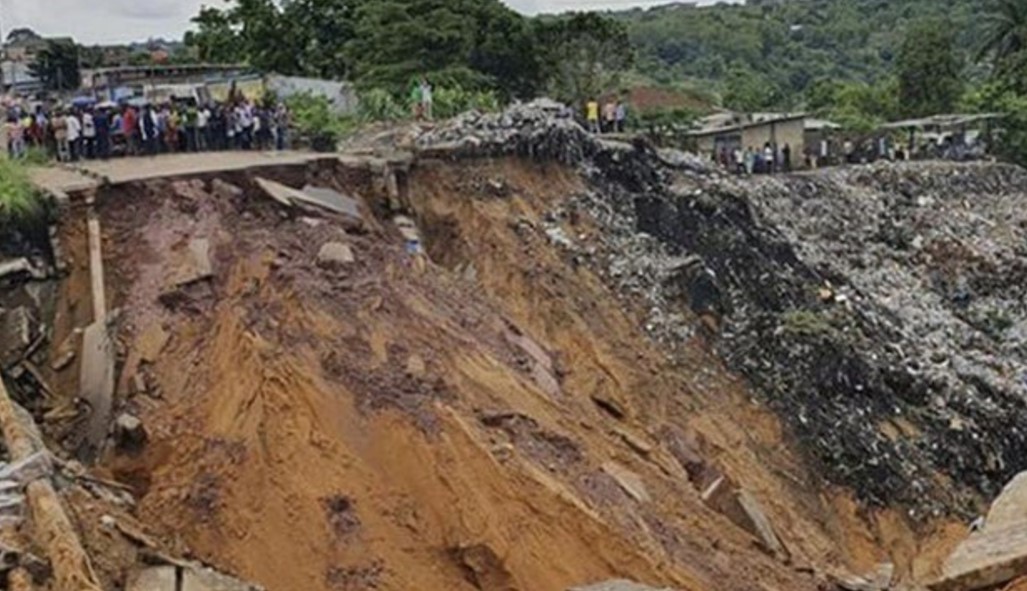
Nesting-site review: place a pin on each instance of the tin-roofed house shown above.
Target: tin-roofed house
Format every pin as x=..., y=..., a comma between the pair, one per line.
x=727, y=131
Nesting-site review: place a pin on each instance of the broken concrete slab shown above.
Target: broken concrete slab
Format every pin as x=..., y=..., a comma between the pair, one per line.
x=185, y=577
x=225, y=190
x=96, y=384
x=630, y=482
x=157, y=578
x=880, y=580
x=986, y=559
x=1011, y=504
x=205, y=579
x=759, y=524
x=277, y=191
x=192, y=264
x=618, y=585
x=334, y=255
x=321, y=198
x=334, y=201
x=742, y=509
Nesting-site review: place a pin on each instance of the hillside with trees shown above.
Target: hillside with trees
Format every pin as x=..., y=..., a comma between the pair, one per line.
x=786, y=47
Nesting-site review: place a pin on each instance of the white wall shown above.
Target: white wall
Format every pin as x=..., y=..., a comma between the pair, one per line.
x=341, y=94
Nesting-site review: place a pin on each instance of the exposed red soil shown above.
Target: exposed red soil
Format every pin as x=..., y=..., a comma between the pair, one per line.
x=389, y=425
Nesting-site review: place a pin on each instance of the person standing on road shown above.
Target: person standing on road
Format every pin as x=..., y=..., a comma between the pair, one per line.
x=427, y=99
x=417, y=101
x=190, y=120
x=786, y=158
x=130, y=129
x=621, y=116
x=609, y=117
x=74, y=135
x=15, y=137
x=592, y=115
x=102, y=124
x=88, y=135
x=282, y=127
x=148, y=130
x=203, y=142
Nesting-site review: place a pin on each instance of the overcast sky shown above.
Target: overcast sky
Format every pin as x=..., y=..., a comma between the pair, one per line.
x=115, y=21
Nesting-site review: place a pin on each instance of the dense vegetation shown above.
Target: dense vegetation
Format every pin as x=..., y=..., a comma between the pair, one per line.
x=387, y=44
x=790, y=45
x=859, y=62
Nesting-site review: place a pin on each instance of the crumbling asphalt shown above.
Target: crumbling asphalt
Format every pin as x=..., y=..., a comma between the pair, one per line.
x=878, y=309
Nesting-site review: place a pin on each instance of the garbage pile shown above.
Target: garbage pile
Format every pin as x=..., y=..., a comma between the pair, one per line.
x=540, y=129
x=879, y=309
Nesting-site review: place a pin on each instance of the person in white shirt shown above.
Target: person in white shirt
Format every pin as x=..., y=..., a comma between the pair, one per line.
x=203, y=139
x=88, y=135
x=74, y=136
x=245, y=129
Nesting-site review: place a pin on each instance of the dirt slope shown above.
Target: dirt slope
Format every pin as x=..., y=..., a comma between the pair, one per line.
x=394, y=426
x=493, y=416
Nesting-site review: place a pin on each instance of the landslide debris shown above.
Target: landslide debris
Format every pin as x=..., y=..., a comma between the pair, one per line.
x=879, y=309
x=501, y=348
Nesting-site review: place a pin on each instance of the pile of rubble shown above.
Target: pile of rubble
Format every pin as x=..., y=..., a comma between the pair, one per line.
x=540, y=129
x=879, y=309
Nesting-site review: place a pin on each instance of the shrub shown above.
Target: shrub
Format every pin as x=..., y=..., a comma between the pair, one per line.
x=451, y=101
x=20, y=203
x=380, y=105
x=36, y=156
x=314, y=119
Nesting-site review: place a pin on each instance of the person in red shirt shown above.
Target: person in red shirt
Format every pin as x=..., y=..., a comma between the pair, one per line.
x=130, y=128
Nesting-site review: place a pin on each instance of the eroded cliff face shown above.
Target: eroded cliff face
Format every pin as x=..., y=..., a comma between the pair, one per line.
x=879, y=310
x=538, y=360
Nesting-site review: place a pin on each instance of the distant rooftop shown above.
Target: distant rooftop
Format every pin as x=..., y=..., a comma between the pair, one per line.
x=951, y=120
x=730, y=121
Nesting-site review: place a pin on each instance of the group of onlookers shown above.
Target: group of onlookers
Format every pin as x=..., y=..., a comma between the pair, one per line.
x=610, y=117
x=98, y=132
x=769, y=159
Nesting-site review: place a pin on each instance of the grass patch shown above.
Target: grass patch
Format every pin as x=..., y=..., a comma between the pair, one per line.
x=20, y=203
x=36, y=156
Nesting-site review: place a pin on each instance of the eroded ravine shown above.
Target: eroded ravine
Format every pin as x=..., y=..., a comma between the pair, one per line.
x=595, y=362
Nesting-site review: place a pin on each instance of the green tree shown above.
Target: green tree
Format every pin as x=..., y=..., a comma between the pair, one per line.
x=265, y=36
x=215, y=39
x=319, y=31
x=1005, y=42
x=929, y=71
x=57, y=66
x=586, y=54
x=745, y=90
x=473, y=44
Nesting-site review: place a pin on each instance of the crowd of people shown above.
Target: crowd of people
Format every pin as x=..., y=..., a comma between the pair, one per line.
x=769, y=159
x=610, y=117
x=101, y=131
